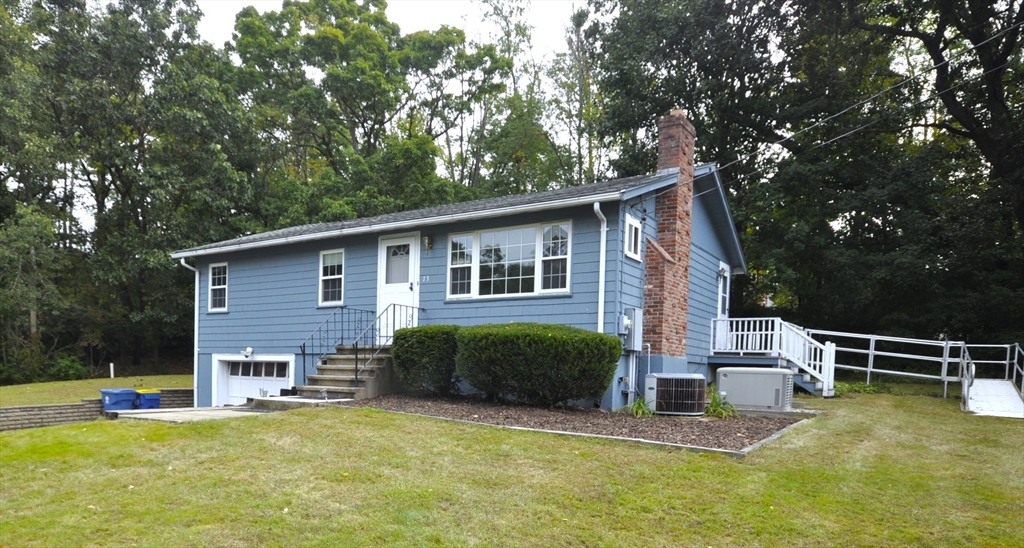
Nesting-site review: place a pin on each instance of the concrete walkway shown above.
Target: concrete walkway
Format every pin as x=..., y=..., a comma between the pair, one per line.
x=188, y=414
x=995, y=398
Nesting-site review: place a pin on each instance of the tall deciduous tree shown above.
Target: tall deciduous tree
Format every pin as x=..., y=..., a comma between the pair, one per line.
x=853, y=218
x=976, y=49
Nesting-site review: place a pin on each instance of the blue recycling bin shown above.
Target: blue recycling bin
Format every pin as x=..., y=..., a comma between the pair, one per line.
x=147, y=398
x=117, y=399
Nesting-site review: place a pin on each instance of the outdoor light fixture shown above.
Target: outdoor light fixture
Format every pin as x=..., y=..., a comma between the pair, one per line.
x=428, y=242
x=247, y=352
x=721, y=273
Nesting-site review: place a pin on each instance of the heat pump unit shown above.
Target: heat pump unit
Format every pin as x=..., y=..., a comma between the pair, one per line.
x=756, y=388
x=676, y=394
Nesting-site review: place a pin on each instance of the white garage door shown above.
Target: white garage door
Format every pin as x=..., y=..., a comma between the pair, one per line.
x=255, y=379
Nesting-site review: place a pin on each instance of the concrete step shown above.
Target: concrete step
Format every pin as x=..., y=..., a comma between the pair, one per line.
x=332, y=392
x=341, y=381
x=349, y=369
x=334, y=359
x=363, y=351
x=293, y=402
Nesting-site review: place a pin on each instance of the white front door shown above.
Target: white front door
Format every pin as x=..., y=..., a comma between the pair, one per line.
x=398, y=284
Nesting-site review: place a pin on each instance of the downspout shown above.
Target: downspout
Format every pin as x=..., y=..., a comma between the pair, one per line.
x=195, y=337
x=601, y=261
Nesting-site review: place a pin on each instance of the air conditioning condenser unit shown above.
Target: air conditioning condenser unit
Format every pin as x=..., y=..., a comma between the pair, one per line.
x=676, y=393
x=756, y=388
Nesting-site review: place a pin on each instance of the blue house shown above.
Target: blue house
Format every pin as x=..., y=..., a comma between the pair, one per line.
x=646, y=258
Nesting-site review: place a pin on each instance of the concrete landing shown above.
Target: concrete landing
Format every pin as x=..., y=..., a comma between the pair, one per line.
x=294, y=402
x=995, y=398
x=187, y=414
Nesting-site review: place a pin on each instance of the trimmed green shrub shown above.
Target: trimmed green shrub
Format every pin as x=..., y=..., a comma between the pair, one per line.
x=424, y=358
x=539, y=364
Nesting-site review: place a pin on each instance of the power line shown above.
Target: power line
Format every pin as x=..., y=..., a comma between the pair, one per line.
x=880, y=93
x=867, y=125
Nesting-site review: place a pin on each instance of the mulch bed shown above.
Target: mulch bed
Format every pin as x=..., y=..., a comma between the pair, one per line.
x=732, y=434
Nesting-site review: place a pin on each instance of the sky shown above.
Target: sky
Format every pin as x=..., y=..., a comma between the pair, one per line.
x=547, y=17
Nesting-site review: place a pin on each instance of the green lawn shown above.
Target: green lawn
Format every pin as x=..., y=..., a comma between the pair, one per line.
x=75, y=391
x=877, y=470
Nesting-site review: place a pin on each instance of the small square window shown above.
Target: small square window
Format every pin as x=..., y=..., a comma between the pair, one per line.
x=634, y=234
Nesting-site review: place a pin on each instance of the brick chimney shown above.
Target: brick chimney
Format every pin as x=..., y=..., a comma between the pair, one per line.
x=667, y=287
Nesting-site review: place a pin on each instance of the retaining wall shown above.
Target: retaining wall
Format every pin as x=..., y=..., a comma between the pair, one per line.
x=34, y=416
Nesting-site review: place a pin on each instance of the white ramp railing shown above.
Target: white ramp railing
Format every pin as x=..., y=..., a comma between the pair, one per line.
x=776, y=338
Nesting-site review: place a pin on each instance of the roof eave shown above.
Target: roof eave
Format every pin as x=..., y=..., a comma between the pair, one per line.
x=399, y=225
x=736, y=257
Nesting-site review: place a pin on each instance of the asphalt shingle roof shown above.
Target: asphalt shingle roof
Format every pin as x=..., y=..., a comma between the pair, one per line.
x=444, y=211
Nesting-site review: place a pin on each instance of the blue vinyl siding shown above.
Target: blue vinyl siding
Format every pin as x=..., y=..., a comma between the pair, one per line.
x=703, y=307
x=577, y=308
x=705, y=253
x=273, y=292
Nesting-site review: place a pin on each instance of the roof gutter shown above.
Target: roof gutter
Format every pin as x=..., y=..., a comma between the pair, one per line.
x=397, y=225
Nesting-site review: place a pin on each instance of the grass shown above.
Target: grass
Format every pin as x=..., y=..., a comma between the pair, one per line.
x=877, y=470
x=75, y=391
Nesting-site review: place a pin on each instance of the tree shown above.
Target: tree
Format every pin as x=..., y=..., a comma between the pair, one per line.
x=852, y=218
x=575, y=102
x=975, y=48
x=28, y=260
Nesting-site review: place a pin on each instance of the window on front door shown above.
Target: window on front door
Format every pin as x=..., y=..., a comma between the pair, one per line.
x=397, y=267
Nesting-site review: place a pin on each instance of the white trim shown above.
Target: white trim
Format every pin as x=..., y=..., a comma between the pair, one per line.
x=538, y=272
x=397, y=225
x=633, y=225
x=220, y=361
x=210, y=287
x=320, y=278
x=727, y=279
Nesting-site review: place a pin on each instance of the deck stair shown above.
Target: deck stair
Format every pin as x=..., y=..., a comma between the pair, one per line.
x=991, y=380
x=771, y=342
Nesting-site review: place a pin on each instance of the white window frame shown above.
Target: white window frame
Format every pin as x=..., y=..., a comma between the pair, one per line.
x=538, y=270
x=633, y=226
x=210, y=287
x=320, y=278
x=724, y=280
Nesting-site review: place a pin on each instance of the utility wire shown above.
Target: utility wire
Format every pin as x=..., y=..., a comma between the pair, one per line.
x=880, y=93
x=867, y=125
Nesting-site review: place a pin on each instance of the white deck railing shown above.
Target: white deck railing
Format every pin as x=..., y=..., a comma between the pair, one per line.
x=775, y=338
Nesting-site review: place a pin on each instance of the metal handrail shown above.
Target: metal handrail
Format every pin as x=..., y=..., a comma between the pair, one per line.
x=1018, y=370
x=382, y=331
x=331, y=332
x=967, y=371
